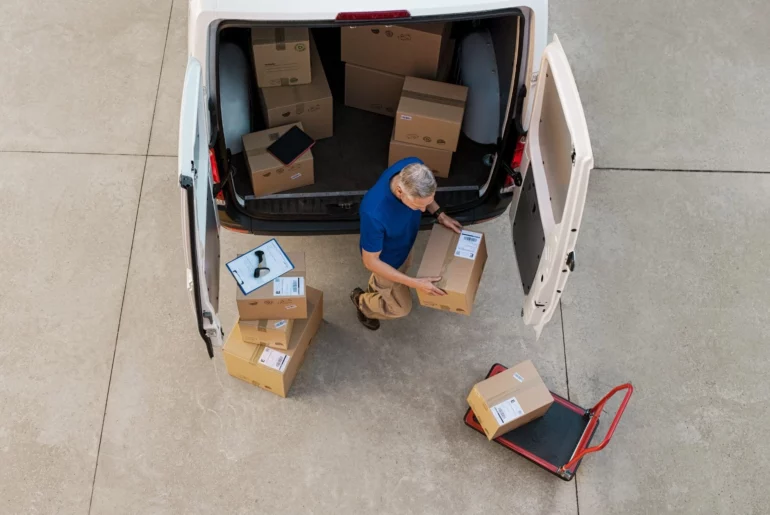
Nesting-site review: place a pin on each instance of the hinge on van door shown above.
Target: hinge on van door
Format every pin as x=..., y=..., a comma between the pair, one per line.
x=515, y=174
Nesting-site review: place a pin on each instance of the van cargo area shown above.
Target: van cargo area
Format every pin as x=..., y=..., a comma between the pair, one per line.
x=349, y=162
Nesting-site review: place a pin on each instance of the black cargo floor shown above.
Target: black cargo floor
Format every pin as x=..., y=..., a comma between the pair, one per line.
x=357, y=154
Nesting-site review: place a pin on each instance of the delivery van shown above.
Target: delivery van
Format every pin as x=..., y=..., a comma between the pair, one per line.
x=539, y=164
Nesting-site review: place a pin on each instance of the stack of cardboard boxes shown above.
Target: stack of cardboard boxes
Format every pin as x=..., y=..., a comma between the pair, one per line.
x=396, y=71
x=293, y=90
x=276, y=325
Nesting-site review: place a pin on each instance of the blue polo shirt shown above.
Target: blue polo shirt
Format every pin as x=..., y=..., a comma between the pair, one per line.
x=387, y=224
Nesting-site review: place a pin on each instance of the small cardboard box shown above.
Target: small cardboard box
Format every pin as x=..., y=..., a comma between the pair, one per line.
x=430, y=113
x=509, y=399
x=281, y=56
x=273, y=333
x=268, y=174
x=270, y=369
x=372, y=90
x=413, y=49
x=439, y=161
x=285, y=297
x=310, y=104
x=459, y=260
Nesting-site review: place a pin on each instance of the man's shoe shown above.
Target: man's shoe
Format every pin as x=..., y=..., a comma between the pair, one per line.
x=370, y=323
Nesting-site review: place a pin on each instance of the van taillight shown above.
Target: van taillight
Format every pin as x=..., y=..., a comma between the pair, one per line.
x=215, y=171
x=374, y=15
x=518, y=153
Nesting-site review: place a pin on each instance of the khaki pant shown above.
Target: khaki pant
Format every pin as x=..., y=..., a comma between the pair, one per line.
x=386, y=300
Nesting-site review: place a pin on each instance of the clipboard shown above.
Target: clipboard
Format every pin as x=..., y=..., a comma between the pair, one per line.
x=242, y=268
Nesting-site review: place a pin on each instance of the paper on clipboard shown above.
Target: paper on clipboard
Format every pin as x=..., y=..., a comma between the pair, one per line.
x=242, y=268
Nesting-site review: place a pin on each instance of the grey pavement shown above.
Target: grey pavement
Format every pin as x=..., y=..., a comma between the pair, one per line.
x=109, y=404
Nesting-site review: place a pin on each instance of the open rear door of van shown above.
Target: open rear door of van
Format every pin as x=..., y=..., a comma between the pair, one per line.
x=547, y=208
x=200, y=220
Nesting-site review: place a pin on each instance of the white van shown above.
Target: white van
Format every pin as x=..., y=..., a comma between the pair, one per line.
x=540, y=163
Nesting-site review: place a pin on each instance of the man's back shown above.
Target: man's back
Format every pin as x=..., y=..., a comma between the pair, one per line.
x=387, y=224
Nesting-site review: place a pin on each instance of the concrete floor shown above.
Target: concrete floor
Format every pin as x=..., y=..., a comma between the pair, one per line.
x=108, y=403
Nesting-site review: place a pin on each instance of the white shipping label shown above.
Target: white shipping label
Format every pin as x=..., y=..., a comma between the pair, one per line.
x=516, y=375
x=296, y=176
x=274, y=359
x=468, y=245
x=280, y=324
x=288, y=286
x=507, y=410
x=406, y=117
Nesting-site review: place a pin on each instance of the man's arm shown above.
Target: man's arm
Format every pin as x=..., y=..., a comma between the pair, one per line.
x=444, y=219
x=376, y=266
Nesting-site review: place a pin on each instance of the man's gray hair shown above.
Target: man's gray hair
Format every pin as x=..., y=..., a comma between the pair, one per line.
x=417, y=181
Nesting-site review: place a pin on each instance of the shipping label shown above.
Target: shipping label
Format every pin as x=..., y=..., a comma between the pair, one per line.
x=274, y=359
x=468, y=245
x=507, y=410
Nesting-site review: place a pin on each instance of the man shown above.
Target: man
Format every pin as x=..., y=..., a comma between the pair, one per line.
x=390, y=218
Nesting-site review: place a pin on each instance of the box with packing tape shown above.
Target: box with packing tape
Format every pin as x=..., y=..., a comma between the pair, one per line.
x=439, y=161
x=430, y=113
x=284, y=297
x=459, y=260
x=310, y=104
x=510, y=399
x=414, y=49
x=372, y=90
x=273, y=333
x=281, y=56
x=268, y=174
x=271, y=369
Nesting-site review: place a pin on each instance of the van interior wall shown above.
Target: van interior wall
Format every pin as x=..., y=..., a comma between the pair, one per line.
x=357, y=154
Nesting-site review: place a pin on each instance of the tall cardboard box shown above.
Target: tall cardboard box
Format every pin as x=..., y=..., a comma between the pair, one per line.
x=310, y=104
x=268, y=174
x=281, y=56
x=459, y=260
x=273, y=333
x=413, y=49
x=430, y=113
x=270, y=369
x=285, y=297
x=510, y=399
x=372, y=90
x=439, y=161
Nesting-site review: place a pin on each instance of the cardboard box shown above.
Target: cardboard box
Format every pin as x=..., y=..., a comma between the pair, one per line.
x=372, y=90
x=268, y=174
x=285, y=297
x=281, y=56
x=310, y=104
x=510, y=399
x=430, y=113
x=270, y=369
x=413, y=49
x=439, y=161
x=459, y=260
x=273, y=333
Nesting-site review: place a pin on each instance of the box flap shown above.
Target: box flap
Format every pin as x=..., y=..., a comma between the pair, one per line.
x=439, y=261
x=318, y=89
x=432, y=99
x=238, y=348
x=265, y=36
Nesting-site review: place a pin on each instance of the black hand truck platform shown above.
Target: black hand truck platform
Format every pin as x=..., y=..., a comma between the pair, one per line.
x=559, y=440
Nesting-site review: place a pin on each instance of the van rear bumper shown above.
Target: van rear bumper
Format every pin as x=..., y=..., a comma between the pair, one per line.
x=234, y=220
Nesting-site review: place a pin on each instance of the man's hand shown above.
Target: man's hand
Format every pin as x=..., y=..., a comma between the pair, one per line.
x=450, y=223
x=425, y=284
